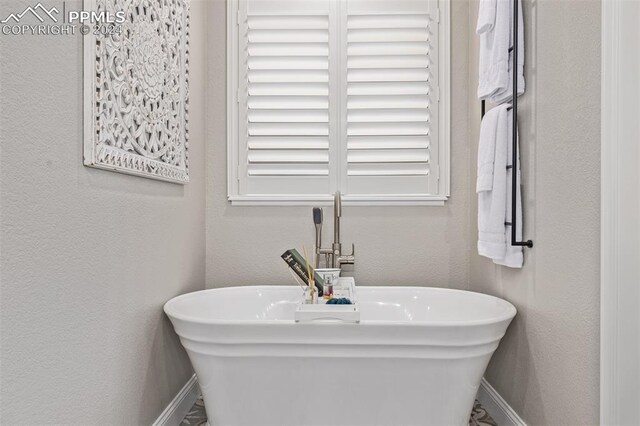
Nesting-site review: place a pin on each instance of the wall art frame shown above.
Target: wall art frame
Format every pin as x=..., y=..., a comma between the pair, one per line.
x=136, y=88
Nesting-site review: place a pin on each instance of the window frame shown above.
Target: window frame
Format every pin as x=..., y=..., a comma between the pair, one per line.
x=444, y=129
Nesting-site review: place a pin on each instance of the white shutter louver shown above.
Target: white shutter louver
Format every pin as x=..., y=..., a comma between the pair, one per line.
x=389, y=103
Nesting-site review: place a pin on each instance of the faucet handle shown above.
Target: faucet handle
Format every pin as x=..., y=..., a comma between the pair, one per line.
x=348, y=259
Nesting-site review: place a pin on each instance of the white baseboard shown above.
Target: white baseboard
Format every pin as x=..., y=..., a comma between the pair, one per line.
x=180, y=405
x=497, y=407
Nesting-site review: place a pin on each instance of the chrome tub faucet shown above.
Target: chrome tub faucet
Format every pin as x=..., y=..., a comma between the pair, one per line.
x=334, y=257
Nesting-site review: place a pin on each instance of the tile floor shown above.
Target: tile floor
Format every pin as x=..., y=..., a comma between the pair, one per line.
x=198, y=417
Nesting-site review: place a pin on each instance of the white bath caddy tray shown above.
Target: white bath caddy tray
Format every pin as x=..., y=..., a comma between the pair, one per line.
x=306, y=312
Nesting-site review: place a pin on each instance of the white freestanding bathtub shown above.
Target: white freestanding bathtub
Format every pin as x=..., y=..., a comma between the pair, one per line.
x=415, y=358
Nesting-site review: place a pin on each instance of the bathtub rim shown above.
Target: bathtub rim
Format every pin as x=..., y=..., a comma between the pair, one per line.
x=171, y=313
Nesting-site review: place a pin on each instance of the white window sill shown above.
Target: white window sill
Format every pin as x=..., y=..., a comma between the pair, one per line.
x=302, y=200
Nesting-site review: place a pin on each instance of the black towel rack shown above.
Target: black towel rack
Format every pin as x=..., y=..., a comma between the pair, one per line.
x=514, y=135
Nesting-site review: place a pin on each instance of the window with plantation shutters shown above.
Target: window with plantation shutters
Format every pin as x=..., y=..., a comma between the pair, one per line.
x=348, y=95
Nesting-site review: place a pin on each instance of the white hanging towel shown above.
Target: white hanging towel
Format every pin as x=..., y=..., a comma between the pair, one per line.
x=494, y=190
x=491, y=185
x=513, y=256
x=495, y=27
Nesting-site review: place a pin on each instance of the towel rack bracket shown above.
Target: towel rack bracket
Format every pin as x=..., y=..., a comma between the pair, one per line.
x=527, y=243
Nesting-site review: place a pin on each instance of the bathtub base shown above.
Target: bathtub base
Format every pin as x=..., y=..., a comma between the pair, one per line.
x=280, y=391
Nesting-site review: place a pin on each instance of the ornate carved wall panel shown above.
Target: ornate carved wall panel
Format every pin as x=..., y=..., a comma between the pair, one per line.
x=136, y=89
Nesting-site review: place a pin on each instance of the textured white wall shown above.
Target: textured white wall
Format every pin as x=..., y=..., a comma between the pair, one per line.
x=547, y=366
x=394, y=245
x=88, y=257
